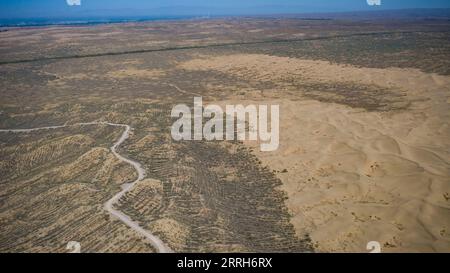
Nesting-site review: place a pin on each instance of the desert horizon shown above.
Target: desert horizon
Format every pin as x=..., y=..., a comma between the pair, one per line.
x=121, y=137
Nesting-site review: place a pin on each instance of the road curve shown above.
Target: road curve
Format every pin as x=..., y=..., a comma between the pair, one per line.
x=109, y=205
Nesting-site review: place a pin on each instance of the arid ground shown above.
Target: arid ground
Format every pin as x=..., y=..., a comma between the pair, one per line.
x=364, y=136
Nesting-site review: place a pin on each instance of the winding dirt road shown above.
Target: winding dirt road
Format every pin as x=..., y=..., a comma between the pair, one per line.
x=109, y=205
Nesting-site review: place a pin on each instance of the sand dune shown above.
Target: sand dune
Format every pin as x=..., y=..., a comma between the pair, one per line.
x=351, y=181
x=355, y=176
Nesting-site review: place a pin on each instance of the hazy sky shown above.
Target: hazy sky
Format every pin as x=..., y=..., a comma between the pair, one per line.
x=60, y=8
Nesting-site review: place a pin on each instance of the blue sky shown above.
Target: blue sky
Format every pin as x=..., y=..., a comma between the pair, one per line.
x=59, y=8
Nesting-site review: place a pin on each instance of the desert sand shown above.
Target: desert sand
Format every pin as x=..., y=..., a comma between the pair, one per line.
x=364, y=152
x=353, y=175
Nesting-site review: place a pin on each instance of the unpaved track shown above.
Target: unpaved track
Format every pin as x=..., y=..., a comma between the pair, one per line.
x=109, y=205
x=184, y=91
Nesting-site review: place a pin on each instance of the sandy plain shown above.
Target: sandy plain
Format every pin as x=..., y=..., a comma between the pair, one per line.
x=364, y=151
x=353, y=175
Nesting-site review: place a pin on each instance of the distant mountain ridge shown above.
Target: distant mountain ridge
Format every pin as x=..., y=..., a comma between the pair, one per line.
x=89, y=17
